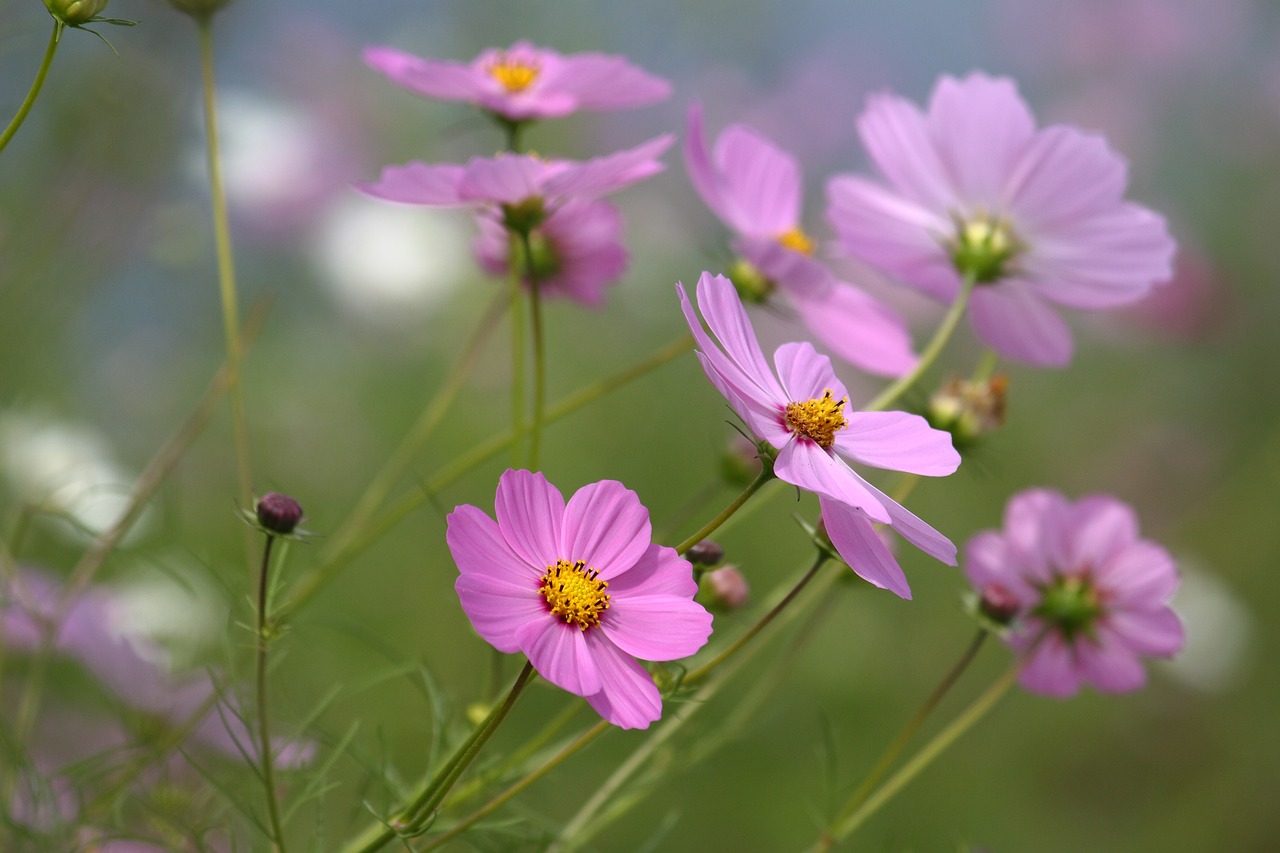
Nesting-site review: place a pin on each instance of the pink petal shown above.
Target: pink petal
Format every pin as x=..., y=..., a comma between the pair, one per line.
x=507, y=178
x=738, y=358
x=911, y=528
x=628, y=697
x=657, y=627
x=762, y=183
x=805, y=375
x=530, y=514
x=659, y=571
x=1109, y=665
x=599, y=82
x=606, y=526
x=859, y=328
x=418, y=183
x=1061, y=176
x=981, y=127
x=862, y=548
x=899, y=442
x=602, y=175
x=1141, y=576
x=803, y=463
x=1051, y=670
x=1101, y=527
x=434, y=79
x=793, y=271
x=1149, y=632
x=901, y=143
x=1036, y=522
x=706, y=180
x=498, y=608
x=987, y=561
x=480, y=547
x=560, y=654
x=1016, y=324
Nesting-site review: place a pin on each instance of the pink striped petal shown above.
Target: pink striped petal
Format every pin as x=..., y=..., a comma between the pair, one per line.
x=803, y=463
x=628, y=697
x=1010, y=319
x=498, y=609
x=981, y=127
x=858, y=328
x=762, y=183
x=530, y=513
x=901, y=143
x=560, y=653
x=897, y=441
x=911, y=528
x=862, y=548
x=479, y=547
x=606, y=526
x=657, y=627
x=418, y=183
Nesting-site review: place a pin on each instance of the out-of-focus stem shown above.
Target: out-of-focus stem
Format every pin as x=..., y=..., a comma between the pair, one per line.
x=266, y=756
x=539, y=353
x=34, y=92
x=517, y=350
x=765, y=475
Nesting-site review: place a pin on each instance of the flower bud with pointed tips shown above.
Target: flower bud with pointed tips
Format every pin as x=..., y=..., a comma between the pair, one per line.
x=73, y=13
x=278, y=514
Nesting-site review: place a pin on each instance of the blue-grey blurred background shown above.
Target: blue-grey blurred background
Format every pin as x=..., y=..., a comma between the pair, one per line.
x=110, y=328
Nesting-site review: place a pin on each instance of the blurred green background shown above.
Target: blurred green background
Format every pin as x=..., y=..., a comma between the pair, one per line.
x=110, y=328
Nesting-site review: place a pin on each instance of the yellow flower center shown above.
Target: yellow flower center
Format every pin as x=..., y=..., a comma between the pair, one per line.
x=796, y=240
x=817, y=420
x=575, y=593
x=514, y=75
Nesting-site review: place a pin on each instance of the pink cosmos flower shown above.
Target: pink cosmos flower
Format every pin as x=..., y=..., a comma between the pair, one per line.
x=521, y=188
x=577, y=250
x=1088, y=597
x=524, y=82
x=754, y=187
x=579, y=589
x=800, y=411
x=1034, y=216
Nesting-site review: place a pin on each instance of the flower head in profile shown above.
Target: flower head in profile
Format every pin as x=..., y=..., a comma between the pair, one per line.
x=754, y=188
x=1086, y=597
x=579, y=589
x=801, y=410
x=524, y=82
x=577, y=251
x=1033, y=216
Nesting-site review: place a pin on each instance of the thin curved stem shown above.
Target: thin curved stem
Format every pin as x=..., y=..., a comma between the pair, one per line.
x=766, y=474
x=539, y=352
x=517, y=350
x=890, y=395
x=55, y=38
x=264, y=732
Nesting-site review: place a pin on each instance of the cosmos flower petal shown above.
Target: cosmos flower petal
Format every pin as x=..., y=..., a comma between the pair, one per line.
x=628, y=698
x=901, y=144
x=987, y=562
x=1063, y=176
x=418, y=183
x=507, y=178
x=530, y=514
x=1012, y=321
x=1101, y=527
x=806, y=375
x=560, y=654
x=803, y=463
x=1109, y=665
x=657, y=627
x=862, y=548
x=1159, y=633
x=602, y=175
x=911, y=528
x=859, y=328
x=482, y=548
x=796, y=273
x=737, y=361
x=498, y=609
x=1035, y=523
x=897, y=441
x=1051, y=669
x=659, y=571
x=980, y=125
x=1140, y=574
x=606, y=526
x=707, y=182
x=449, y=81
x=763, y=183
x=596, y=81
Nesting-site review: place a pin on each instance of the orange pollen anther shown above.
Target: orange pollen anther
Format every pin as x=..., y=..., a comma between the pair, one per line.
x=515, y=75
x=575, y=593
x=796, y=240
x=817, y=420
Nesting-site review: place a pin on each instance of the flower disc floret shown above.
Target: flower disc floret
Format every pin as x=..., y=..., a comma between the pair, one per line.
x=514, y=73
x=818, y=419
x=575, y=593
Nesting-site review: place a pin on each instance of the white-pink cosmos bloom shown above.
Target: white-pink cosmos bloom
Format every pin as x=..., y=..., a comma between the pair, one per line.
x=1035, y=216
x=579, y=588
x=524, y=82
x=801, y=412
x=1087, y=597
x=754, y=187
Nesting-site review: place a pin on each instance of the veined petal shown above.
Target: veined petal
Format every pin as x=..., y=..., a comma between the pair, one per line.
x=659, y=571
x=628, y=697
x=981, y=127
x=1063, y=175
x=602, y=175
x=898, y=138
x=530, y=514
x=597, y=81
x=657, y=627
x=560, y=654
x=803, y=463
x=498, y=609
x=861, y=547
x=897, y=441
x=805, y=374
x=859, y=328
x=479, y=547
x=1016, y=324
x=418, y=183
x=706, y=180
x=742, y=368
x=762, y=183
x=450, y=81
x=606, y=526
x=507, y=178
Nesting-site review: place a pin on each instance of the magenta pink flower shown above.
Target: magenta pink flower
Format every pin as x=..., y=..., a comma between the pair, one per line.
x=577, y=250
x=579, y=589
x=524, y=82
x=801, y=412
x=521, y=188
x=1034, y=216
x=754, y=187
x=1088, y=597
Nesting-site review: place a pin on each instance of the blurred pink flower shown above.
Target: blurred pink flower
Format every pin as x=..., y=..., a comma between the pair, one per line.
x=801, y=412
x=1089, y=597
x=577, y=250
x=755, y=189
x=524, y=82
x=579, y=589
x=1035, y=216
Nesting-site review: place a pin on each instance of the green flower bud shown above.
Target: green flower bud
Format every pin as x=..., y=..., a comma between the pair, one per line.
x=73, y=13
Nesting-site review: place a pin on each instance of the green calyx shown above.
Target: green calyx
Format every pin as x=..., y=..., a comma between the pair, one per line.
x=525, y=216
x=983, y=248
x=1071, y=605
x=75, y=13
x=751, y=284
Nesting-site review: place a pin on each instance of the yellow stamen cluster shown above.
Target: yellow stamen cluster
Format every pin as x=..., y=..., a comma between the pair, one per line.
x=817, y=420
x=575, y=593
x=514, y=75
x=796, y=240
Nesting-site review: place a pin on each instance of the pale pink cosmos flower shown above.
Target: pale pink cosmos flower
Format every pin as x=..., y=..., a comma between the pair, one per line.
x=754, y=187
x=579, y=588
x=1088, y=597
x=1035, y=216
x=524, y=82
x=801, y=412
x=577, y=250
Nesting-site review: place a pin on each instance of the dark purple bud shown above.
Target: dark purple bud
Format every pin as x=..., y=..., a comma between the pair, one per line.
x=998, y=604
x=278, y=513
x=705, y=553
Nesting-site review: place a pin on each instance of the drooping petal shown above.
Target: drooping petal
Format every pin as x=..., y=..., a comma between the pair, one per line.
x=480, y=547
x=897, y=441
x=981, y=127
x=762, y=183
x=806, y=375
x=1016, y=324
x=498, y=608
x=530, y=513
x=628, y=698
x=859, y=328
x=560, y=653
x=862, y=548
x=418, y=183
x=657, y=627
x=606, y=526
x=803, y=463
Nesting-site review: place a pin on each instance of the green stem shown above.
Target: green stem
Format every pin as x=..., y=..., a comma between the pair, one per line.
x=34, y=92
x=922, y=759
x=226, y=269
x=264, y=732
x=539, y=353
x=517, y=352
x=765, y=475
x=890, y=395
x=912, y=726
x=986, y=366
x=435, y=790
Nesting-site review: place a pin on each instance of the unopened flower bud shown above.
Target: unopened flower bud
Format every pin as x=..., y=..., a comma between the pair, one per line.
x=998, y=604
x=751, y=284
x=73, y=13
x=725, y=589
x=278, y=513
x=968, y=410
x=705, y=553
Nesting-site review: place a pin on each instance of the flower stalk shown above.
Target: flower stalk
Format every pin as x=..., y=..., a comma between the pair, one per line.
x=55, y=38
